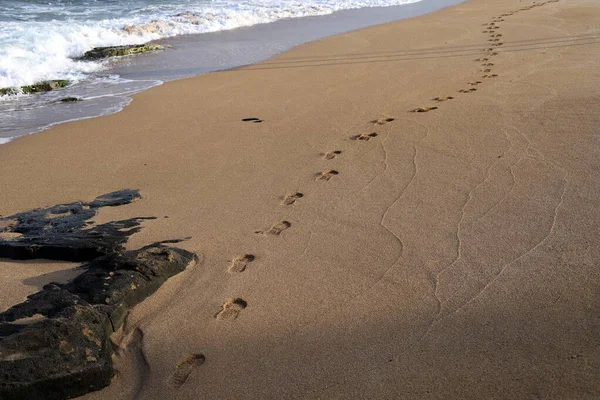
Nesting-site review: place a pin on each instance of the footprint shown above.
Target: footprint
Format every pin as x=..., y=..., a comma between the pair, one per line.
x=490, y=76
x=474, y=83
x=291, y=198
x=331, y=155
x=240, y=263
x=253, y=120
x=467, y=90
x=498, y=44
x=382, y=121
x=326, y=175
x=497, y=35
x=423, y=109
x=486, y=70
x=443, y=98
x=487, y=65
x=276, y=229
x=493, y=54
x=364, y=137
x=481, y=59
x=184, y=368
x=231, y=309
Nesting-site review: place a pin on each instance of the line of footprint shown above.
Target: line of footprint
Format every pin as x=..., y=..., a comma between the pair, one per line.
x=495, y=39
x=231, y=309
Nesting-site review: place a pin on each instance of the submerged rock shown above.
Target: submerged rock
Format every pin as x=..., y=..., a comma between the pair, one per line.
x=45, y=86
x=98, y=53
x=70, y=99
x=56, y=344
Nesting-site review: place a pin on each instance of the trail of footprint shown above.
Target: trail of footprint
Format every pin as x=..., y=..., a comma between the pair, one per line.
x=423, y=109
x=326, y=175
x=443, y=98
x=291, y=198
x=231, y=309
x=276, y=229
x=364, y=137
x=331, y=155
x=240, y=263
x=253, y=120
x=382, y=121
x=184, y=369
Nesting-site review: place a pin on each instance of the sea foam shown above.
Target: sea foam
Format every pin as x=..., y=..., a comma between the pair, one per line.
x=40, y=41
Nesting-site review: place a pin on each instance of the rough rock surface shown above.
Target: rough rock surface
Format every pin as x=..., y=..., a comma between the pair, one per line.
x=61, y=232
x=116, y=51
x=45, y=86
x=56, y=344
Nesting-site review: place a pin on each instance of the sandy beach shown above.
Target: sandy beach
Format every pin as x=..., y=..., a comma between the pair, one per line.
x=411, y=212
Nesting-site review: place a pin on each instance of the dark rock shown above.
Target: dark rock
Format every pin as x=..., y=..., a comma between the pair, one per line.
x=60, y=233
x=56, y=344
x=65, y=354
x=68, y=353
x=117, y=282
x=70, y=99
x=98, y=53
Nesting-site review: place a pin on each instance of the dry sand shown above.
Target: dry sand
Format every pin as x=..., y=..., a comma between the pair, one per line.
x=454, y=254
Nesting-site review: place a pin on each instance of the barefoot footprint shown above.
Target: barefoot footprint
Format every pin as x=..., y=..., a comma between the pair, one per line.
x=364, y=137
x=184, y=368
x=276, y=229
x=326, y=175
x=231, y=309
x=331, y=155
x=291, y=198
x=240, y=263
x=467, y=90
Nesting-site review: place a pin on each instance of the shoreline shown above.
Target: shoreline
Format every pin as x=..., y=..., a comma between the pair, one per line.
x=373, y=218
x=207, y=52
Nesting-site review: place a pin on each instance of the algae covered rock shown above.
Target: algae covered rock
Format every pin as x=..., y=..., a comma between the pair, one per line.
x=39, y=87
x=98, y=53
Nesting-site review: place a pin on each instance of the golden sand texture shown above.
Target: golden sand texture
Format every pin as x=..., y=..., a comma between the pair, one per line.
x=453, y=255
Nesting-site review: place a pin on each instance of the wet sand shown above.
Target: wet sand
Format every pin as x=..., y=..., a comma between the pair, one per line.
x=363, y=240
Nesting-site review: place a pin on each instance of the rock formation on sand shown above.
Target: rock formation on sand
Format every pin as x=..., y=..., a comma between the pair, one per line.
x=56, y=344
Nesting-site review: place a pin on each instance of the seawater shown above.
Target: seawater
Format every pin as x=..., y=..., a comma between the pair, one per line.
x=41, y=39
